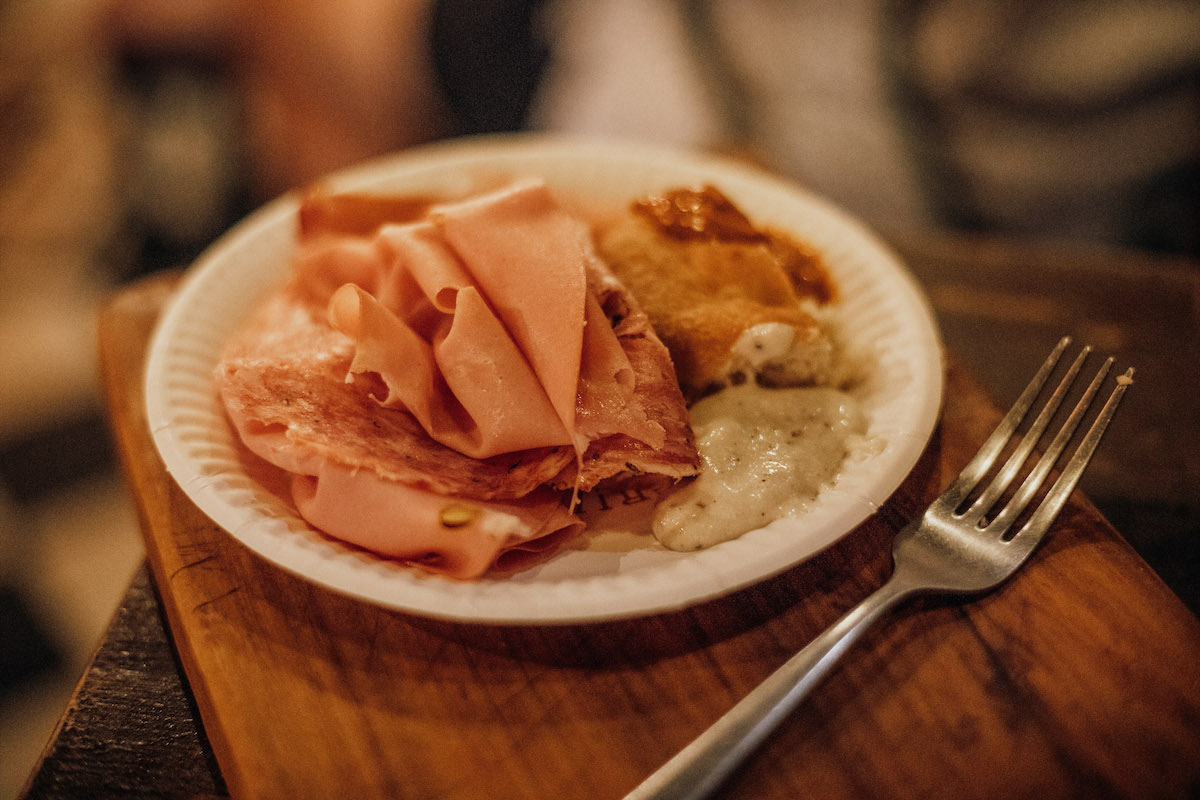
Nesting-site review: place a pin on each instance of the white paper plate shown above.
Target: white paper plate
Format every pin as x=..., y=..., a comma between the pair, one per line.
x=610, y=573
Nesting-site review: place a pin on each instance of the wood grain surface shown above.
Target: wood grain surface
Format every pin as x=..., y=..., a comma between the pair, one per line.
x=1080, y=678
x=130, y=730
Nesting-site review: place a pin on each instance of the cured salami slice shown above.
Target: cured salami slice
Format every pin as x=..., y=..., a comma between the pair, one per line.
x=441, y=386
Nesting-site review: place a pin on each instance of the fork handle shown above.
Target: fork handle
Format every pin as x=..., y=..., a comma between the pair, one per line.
x=698, y=769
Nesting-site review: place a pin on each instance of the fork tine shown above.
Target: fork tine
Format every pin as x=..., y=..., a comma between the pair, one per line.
x=1056, y=498
x=1049, y=458
x=983, y=460
x=1012, y=466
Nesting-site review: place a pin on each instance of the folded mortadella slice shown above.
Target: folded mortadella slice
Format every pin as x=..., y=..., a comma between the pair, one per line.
x=530, y=255
x=282, y=382
x=371, y=476
x=440, y=389
x=490, y=351
x=460, y=538
x=450, y=384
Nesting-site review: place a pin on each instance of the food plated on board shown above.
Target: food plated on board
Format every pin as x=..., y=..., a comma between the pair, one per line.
x=443, y=387
x=441, y=380
x=876, y=345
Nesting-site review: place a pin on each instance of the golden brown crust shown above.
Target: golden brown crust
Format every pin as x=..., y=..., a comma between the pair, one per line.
x=702, y=294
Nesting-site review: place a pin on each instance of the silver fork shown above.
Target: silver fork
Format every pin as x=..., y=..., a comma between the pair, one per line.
x=964, y=543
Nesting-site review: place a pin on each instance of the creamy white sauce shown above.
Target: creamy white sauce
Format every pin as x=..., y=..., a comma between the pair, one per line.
x=777, y=354
x=766, y=454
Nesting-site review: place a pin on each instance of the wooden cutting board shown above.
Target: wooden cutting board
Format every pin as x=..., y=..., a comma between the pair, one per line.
x=1079, y=678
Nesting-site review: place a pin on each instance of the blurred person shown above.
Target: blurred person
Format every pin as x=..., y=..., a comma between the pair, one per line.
x=1048, y=119
x=1076, y=120
x=318, y=85
x=1067, y=119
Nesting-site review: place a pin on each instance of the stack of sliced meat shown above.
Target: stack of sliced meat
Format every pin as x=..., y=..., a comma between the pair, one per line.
x=441, y=381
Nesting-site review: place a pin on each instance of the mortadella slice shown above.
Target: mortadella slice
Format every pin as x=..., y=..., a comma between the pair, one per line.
x=441, y=388
x=460, y=538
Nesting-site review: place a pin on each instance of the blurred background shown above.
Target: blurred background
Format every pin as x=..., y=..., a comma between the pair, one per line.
x=134, y=132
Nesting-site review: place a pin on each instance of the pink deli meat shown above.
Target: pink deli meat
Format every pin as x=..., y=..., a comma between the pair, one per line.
x=441, y=386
